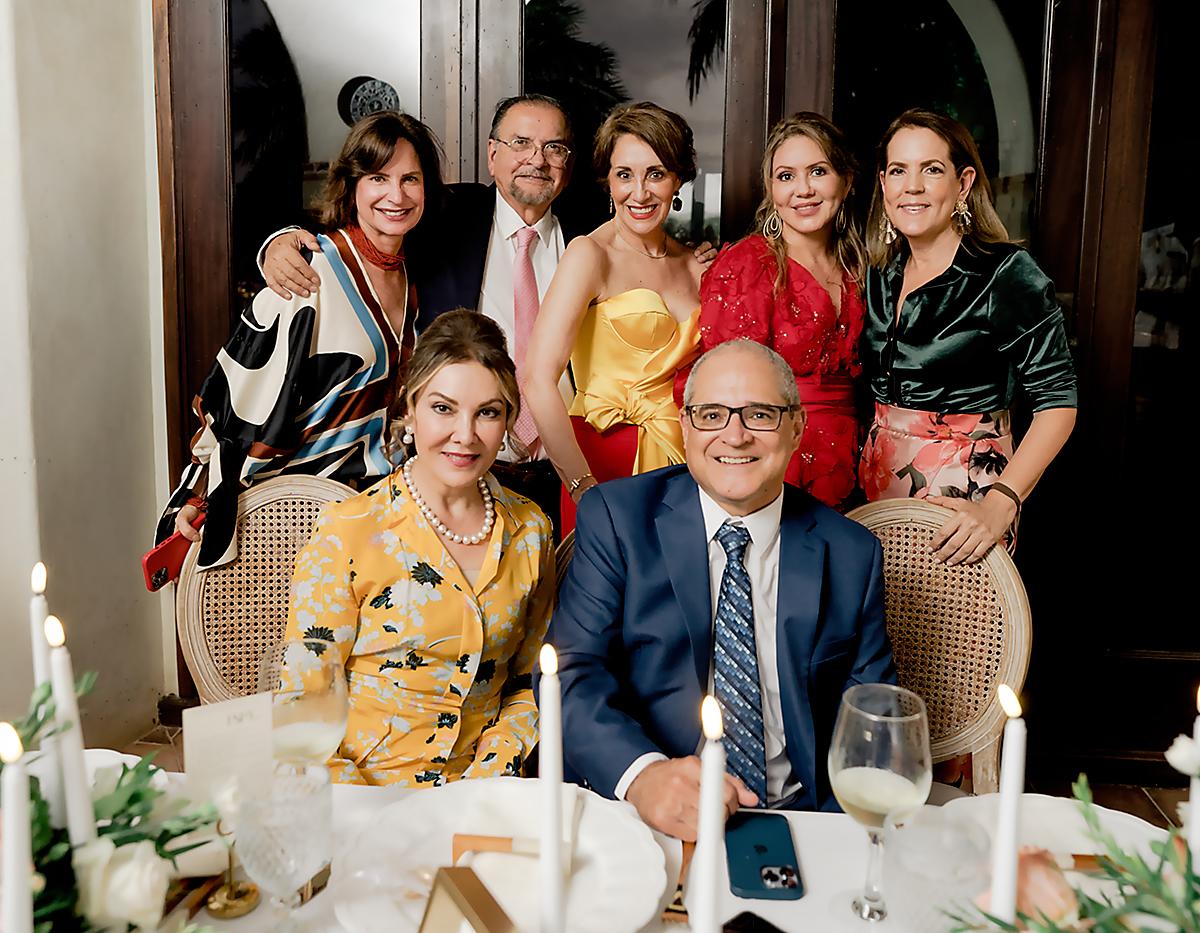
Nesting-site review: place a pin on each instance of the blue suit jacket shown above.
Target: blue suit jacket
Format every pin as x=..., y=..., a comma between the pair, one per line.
x=633, y=627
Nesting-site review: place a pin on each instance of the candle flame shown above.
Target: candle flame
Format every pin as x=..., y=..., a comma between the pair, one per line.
x=37, y=579
x=549, y=660
x=10, y=743
x=54, y=632
x=710, y=718
x=1008, y=699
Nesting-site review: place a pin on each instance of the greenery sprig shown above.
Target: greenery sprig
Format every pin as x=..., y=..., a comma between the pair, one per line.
x=1164, y=888
x=131, y=811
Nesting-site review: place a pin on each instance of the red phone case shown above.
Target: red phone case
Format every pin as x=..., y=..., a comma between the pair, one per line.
x=161, y=564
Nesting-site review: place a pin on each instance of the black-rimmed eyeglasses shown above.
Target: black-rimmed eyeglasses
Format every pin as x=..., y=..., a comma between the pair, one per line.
x=754, y=417
x=556, y=153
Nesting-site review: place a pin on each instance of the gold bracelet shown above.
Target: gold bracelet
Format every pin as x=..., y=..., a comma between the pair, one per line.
x=577, y=482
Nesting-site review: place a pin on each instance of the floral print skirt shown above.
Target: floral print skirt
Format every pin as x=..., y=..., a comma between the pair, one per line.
x=912, y=454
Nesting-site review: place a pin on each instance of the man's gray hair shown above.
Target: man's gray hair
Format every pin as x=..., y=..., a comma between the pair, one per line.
x=783, y=372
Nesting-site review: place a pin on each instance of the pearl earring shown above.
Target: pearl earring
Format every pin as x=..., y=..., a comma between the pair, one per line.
x=407, y=437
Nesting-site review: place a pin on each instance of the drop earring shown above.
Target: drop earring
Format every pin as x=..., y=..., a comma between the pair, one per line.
x=887, y=230
x=612, y=208
x=407, y=437
x=773, y=226
x=677, y=203
x=962, y=217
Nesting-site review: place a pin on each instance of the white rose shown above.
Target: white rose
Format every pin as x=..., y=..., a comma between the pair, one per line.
x=121, y=885
x=1184, y=756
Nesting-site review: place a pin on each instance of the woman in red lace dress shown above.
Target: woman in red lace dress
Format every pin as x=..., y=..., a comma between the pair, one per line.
x=794, y=286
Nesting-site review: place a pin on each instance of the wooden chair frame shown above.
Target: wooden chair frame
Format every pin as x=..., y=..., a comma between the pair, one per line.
x=229, y=616
x=995, y=580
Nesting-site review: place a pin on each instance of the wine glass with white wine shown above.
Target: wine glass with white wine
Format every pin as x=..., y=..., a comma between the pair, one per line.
x=880, y=769
x=310, y=703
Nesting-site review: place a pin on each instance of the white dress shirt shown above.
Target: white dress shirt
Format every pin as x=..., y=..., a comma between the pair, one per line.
x=761, y=561
x=496, y=300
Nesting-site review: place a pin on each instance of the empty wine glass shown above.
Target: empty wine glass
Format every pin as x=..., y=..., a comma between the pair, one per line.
x=285, y=834
x=879, y=767
x=310, y=702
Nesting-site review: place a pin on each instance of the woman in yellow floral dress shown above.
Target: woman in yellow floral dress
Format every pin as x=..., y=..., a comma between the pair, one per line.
x=435, y=585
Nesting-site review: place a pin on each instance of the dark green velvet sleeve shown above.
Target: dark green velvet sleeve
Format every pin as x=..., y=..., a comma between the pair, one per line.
x=1029, y=323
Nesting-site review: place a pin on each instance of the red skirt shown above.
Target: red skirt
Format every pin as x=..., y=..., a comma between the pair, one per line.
x=825, y=463
x=609, y=455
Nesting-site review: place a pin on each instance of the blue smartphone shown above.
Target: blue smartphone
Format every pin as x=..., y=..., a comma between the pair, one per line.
x=762, y=860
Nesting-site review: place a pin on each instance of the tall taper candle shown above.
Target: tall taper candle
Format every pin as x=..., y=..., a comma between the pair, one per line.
x=1006, y=839
x=17, y=859
x=38, y=611
x=48, y=768
x=1193, y=823
x=550, y=776
x=81, y=819
x=705, y=872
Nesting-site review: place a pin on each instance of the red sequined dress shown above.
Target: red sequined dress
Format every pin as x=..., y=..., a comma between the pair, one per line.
x=738, y=300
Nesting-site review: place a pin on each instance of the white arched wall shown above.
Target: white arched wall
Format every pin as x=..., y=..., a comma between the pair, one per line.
x=1009, y=87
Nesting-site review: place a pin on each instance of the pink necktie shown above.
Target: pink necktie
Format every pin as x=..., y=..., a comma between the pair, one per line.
x=525, y=308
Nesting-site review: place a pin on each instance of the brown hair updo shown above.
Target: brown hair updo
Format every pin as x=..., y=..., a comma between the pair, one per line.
x=664, y=131
x=458, y=336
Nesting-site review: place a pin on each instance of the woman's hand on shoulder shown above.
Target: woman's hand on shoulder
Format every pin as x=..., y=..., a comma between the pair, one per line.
x=973, y=529
x=284, y=267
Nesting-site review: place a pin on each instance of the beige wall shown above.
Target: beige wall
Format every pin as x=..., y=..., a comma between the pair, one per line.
x=80, y=348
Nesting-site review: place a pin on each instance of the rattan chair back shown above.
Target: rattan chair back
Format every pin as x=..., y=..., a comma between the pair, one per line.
x=229, y=616
x=957, y=632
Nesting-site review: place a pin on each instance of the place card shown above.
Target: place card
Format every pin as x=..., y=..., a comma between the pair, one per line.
x=227, y=740
x=461, y=903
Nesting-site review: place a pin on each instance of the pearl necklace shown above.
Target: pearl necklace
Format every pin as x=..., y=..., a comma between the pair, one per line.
x=489, y=511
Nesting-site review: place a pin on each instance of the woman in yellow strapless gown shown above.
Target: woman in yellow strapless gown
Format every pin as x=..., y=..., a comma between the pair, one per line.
x=623, y=309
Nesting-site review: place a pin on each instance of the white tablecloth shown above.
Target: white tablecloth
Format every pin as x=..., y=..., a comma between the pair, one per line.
x=832, y=850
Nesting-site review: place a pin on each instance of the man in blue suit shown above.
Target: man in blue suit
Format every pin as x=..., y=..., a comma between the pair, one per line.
x=716, y=577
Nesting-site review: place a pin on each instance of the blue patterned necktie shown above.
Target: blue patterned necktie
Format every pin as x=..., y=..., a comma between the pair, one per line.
x=735, y=677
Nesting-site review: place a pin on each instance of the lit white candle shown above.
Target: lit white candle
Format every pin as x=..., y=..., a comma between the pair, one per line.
x=81, y=819
x=38, y=611
x=704, y=875
x=17, y=860
x=1012, y=784
x=550, y=775
x=1193, y=823
x=48, y=767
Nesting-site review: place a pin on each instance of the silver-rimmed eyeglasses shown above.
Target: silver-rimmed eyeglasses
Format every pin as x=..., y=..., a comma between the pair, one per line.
x=556, y=153
x=757, y=417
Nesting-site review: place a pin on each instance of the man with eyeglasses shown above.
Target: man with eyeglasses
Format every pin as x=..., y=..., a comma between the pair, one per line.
x=716, y=577
x=494, y=248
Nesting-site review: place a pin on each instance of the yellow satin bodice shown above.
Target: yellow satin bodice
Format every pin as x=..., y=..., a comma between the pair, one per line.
x=624, y=362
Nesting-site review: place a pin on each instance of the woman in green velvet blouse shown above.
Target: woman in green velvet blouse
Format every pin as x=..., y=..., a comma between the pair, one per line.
x=960, y=321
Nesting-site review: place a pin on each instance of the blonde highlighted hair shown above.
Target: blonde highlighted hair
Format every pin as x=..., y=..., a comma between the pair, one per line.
x=458, y=336
x=987, y=229
x=846, y=238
